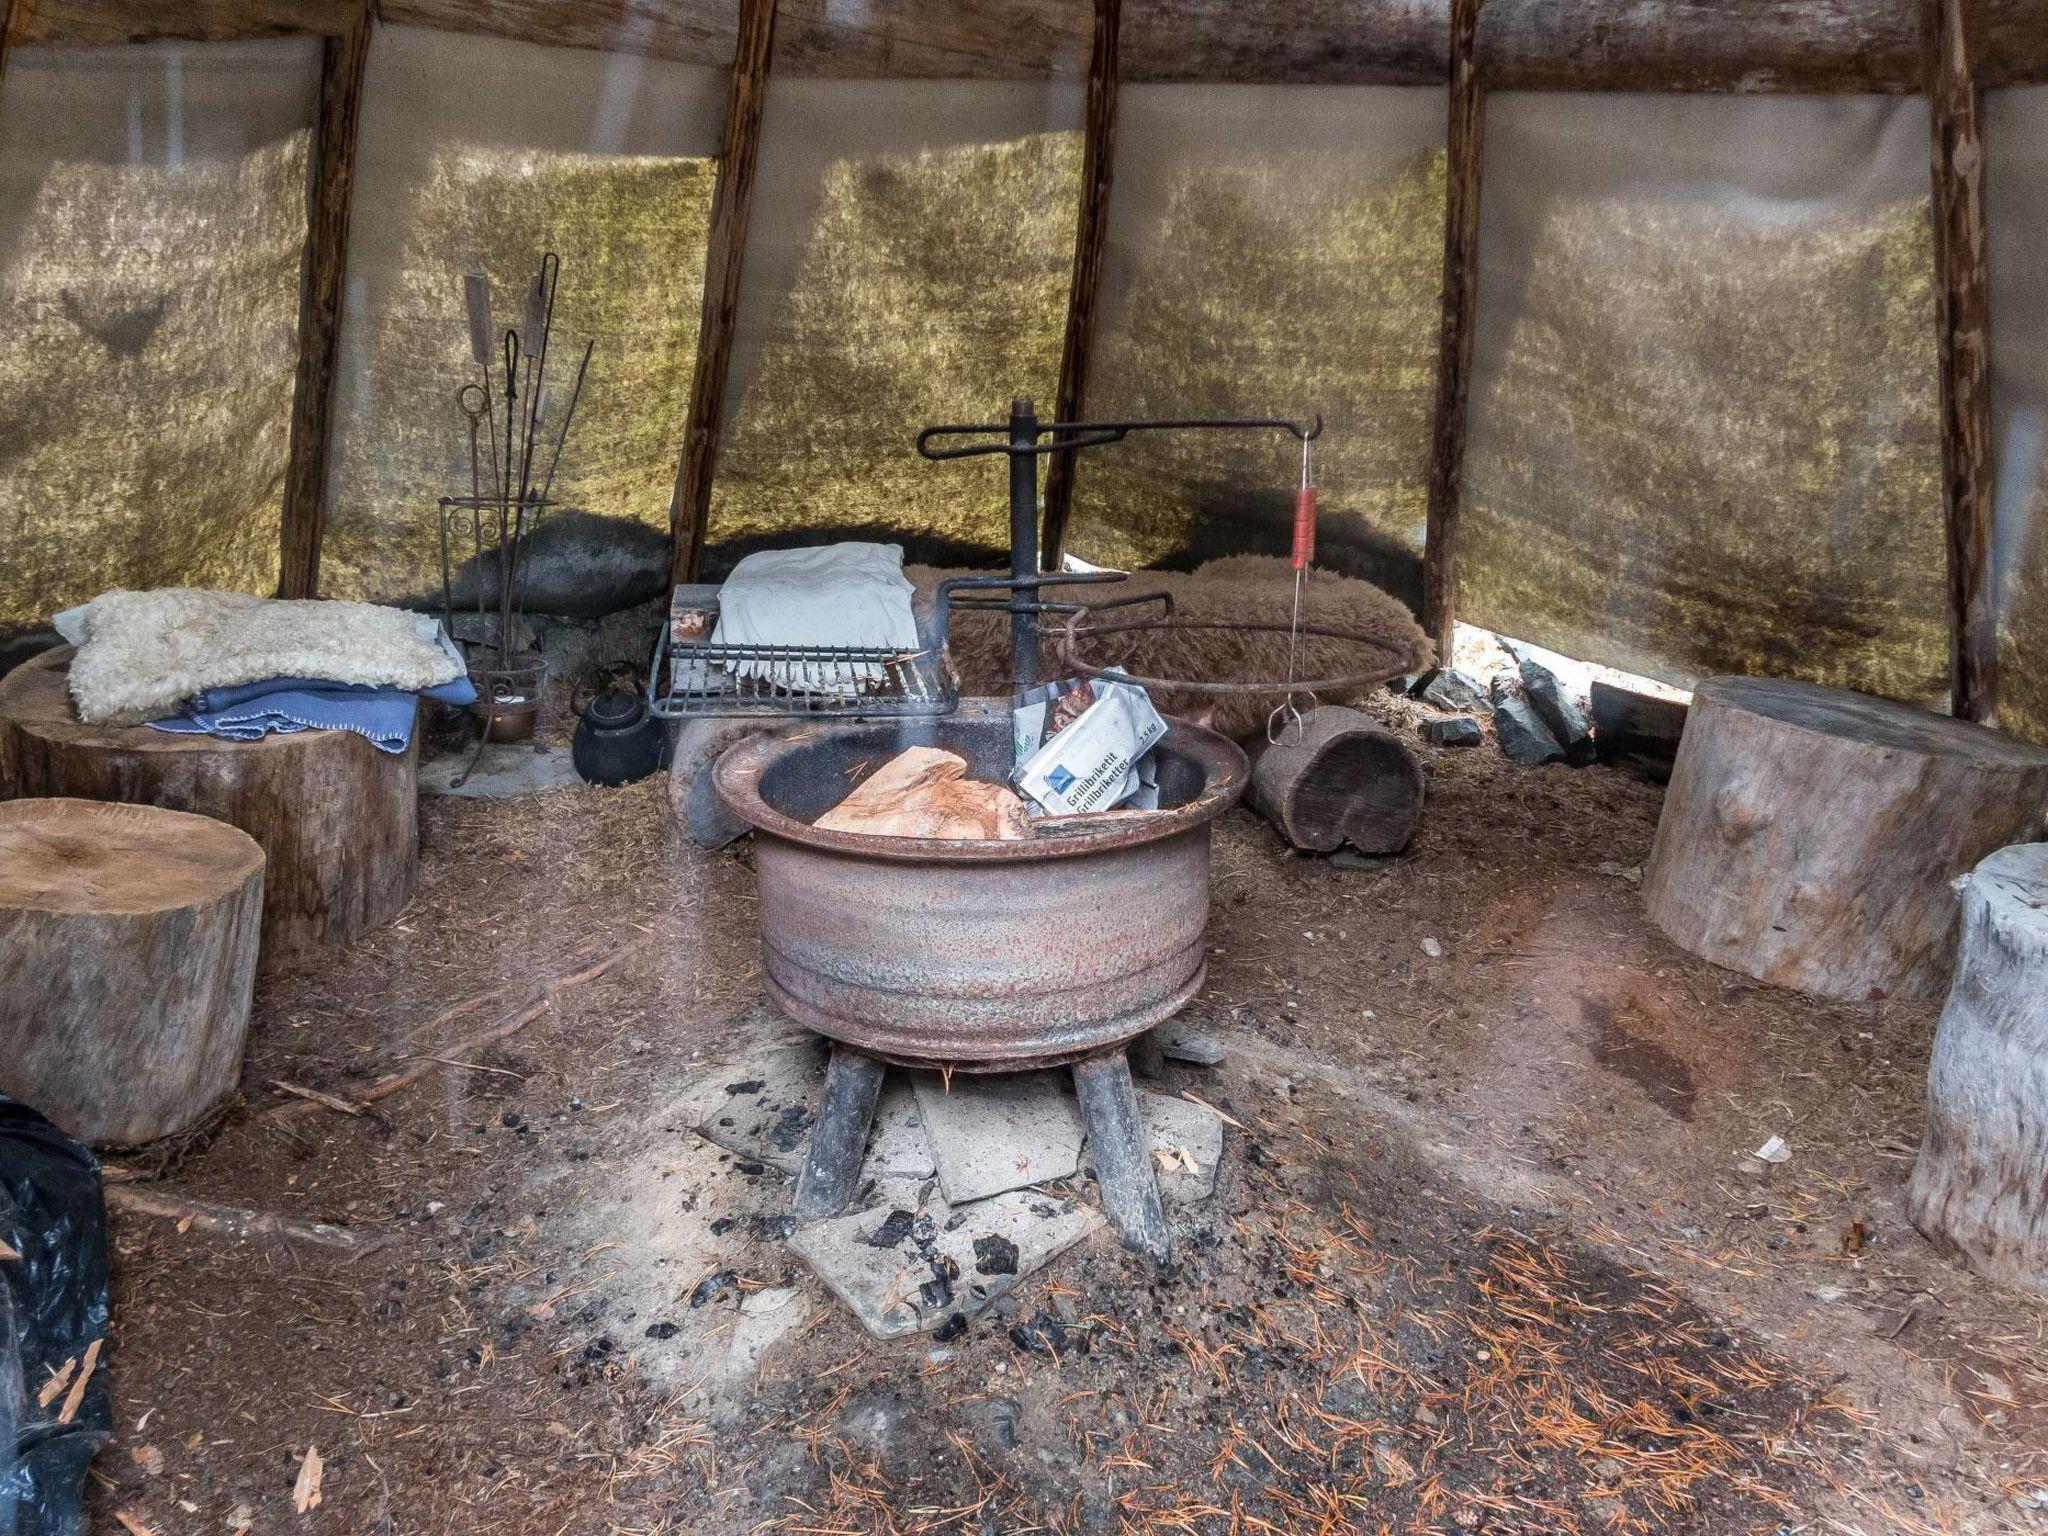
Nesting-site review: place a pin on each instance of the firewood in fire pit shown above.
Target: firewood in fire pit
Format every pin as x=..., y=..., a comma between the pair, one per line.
x=925, y=792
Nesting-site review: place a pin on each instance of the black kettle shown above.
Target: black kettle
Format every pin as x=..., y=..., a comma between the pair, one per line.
x=617, y=740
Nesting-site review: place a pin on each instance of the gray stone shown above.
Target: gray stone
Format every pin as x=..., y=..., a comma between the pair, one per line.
x=1191, y=1045
x=1002, y=1131
x=897, y=1146
x=575, y=564
x=1559, y=711
x=1174, y=1127
x=761, y=1108
x=1448, y=688
x=1522, y=736
x=1453, y=731
x=504, y=770
x=898, y=1289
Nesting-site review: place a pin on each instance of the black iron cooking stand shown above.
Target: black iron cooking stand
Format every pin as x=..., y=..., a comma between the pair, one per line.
x=830, y=1176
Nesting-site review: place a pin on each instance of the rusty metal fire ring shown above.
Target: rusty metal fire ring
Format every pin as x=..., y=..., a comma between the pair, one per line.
x=1224, y=768
x=1394, y=662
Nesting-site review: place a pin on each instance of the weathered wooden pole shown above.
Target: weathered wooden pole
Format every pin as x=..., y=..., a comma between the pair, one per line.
x=320, y=299
x=1454, y=347
x=732, y=202
x=1098, y=160
x=1963, y=311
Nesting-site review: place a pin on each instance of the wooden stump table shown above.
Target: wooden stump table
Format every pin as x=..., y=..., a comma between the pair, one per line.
x=1809, y=834
x=128, y=940
x=338, y=821
x=1980, y=1188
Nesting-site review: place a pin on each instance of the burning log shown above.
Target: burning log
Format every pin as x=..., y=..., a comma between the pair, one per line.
x=1346, y=779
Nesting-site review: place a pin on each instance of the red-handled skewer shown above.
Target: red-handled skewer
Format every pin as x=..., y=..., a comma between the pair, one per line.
x=1283, y=726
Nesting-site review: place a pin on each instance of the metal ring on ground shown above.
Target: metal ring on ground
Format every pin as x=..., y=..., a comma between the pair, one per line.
x=1349, y=682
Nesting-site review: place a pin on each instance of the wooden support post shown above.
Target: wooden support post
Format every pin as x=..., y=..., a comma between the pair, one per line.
x=10, y=18
x=725, y=252
x=839, y=1135
x=1098, y=161
x=334, y=176
x=1963, y=310
x=1454, y=349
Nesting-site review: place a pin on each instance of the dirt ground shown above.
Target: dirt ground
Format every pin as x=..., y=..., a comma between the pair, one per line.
x=1484, y=1253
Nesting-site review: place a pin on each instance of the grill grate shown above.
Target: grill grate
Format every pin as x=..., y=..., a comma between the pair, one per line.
x=844, y=682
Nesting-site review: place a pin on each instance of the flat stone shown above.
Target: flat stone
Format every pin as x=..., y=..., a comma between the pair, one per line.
x=898, y=1147
x=1448, y=688
x=772, y=1300
x=760, y=1107
x=1191, y=1045
x=994, y=1132
x=1559, y=711
x=1174, y=1125
x=1453, y=731
x=1522, y=736
x=505, y=769
x=932, y=1271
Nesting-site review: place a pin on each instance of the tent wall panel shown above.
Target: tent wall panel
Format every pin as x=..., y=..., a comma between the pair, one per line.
x=2016, y=201
x=152, y=228
x=476, y=155
x=907, y=263
x=1704, y=431
x=1272, y=250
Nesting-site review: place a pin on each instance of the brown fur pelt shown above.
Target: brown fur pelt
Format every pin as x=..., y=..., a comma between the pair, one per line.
x=1252, y=588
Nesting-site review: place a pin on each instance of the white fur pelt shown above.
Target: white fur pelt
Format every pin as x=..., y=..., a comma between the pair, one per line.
x=143, y=654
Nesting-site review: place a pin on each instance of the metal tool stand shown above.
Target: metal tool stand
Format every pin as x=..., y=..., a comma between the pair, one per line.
x=1116, y=1142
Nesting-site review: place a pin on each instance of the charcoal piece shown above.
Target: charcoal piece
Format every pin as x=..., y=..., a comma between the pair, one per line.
x=894, y=1228
x=1042, y=1334
x=950, y=1329
x=712, y=1286
x=995, y=1254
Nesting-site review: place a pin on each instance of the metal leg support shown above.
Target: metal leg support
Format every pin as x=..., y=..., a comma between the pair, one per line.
x=1123, y=1163
x=839, y=1136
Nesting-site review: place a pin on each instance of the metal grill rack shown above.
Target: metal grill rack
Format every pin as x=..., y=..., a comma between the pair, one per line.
x=781, y=681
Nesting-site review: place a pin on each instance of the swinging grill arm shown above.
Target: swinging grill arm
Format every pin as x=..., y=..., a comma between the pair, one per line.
x=1093, y=434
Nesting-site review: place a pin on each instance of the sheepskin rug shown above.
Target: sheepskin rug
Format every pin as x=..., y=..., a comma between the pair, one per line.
x=1256, y=588
x=142, y=654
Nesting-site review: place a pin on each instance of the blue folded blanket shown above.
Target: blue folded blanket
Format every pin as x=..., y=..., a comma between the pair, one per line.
x=252, y=711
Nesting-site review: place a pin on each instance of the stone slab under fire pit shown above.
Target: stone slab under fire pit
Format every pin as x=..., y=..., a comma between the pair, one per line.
x=905, y=1271
x=992, y=1133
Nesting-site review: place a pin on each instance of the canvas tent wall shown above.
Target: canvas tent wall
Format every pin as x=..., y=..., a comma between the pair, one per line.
x=1705, y=417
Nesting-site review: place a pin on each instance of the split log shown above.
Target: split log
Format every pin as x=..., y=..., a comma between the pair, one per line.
x=925, y=792
x=1980, y=1188
x=1346, y=780
x=1809, y=834
x=1638, y=730
x=692, y=800
x=128, y=943
x=336, y=819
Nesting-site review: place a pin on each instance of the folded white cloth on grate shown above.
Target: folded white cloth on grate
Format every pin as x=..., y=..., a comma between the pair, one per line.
x=832, y=597
x=141, y=655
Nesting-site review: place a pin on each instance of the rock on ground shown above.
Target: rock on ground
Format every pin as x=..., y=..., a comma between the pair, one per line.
x=1522, y=736
x=993, y=1132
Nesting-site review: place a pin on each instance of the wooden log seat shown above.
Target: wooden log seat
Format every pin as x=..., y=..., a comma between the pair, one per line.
x=128, y=939
x=338, y=821
x=1810, y=835
x=1980, y=1188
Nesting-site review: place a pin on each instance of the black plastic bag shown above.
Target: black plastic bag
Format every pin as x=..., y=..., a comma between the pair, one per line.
x=53, y=1307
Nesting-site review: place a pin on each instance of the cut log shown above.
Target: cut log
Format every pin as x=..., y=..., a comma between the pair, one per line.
x=1980, y=1188
x=1346, y=780
x=1809, y=835
x=128, y=941
x=1638, y=730
x=336, y=819
x=692, y=800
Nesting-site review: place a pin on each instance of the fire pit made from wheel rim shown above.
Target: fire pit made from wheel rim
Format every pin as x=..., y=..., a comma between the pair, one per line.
x=980, y=956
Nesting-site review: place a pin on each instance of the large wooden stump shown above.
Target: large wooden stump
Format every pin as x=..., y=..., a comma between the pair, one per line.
x=1980, y=1188
x=337, y=819
x=1809, y=835
x=1345, y=779
x=128, y=940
